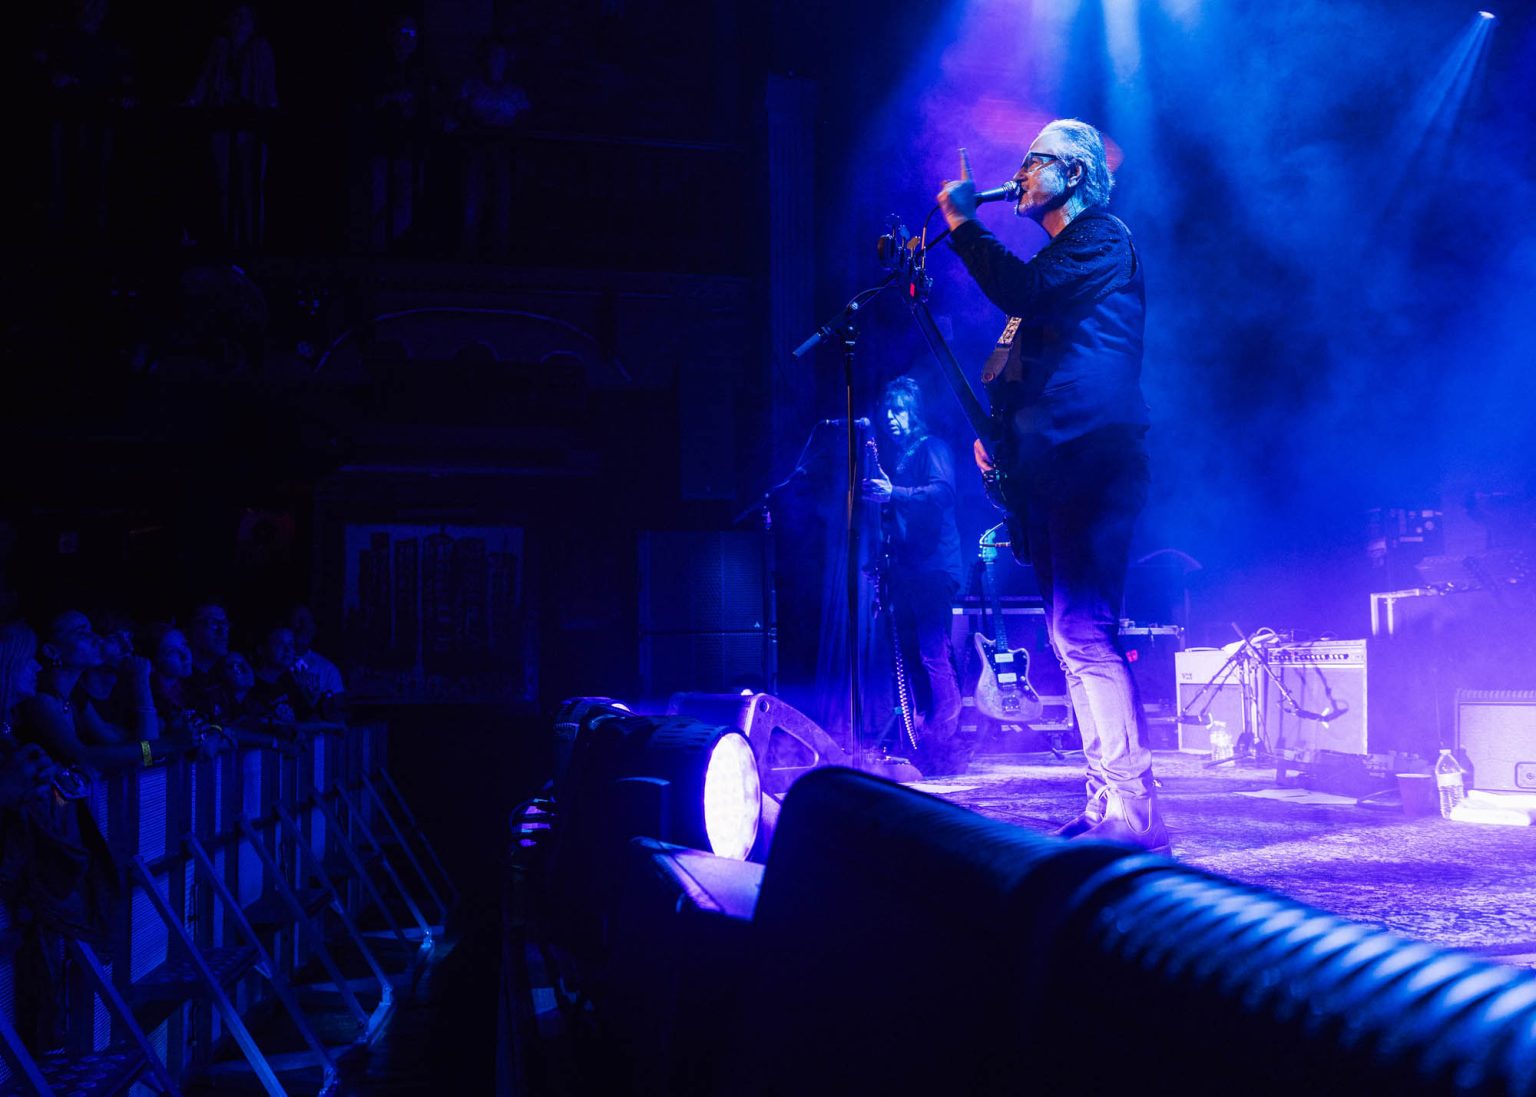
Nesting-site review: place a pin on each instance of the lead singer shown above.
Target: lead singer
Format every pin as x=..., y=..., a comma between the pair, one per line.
x=1064, y=384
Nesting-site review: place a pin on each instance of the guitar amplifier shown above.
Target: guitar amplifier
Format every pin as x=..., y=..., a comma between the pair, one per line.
x=1320, y=676
x=1496, y=733
x=1193, y=670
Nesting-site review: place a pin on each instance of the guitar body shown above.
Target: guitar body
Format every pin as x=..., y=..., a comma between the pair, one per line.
x=1003, y=692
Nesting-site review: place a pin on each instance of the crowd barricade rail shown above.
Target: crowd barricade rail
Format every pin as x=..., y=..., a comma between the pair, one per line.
x=229, y=890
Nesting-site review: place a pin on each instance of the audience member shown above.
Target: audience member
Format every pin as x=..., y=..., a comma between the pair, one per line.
x=87, y=78
x=239, y=83
x=236, y=679
x=65, y=722
x=398, y=113
x=26, y=771
x=207, y=634
x=55, y=871
x=179, y=709
x=118, y=667
x=321, y=677
x=489, y=106
x=278, y=692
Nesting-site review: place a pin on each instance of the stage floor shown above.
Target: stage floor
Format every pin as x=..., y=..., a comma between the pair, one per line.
x=1464, y=885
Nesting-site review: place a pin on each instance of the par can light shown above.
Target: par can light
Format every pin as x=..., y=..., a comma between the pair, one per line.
x=733, y=797
x=620, y=775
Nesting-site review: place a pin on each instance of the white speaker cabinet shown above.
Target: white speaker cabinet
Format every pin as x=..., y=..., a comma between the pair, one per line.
x=1496, y=734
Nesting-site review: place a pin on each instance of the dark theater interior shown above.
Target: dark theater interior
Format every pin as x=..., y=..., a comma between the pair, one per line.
x=609, y=547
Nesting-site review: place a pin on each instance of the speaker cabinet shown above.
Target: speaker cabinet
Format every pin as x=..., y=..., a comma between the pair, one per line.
x=701, y=581
x=701, y=611
x=1193, y=669
x=714, y=661
x=1496, y=733
x=1320, y=676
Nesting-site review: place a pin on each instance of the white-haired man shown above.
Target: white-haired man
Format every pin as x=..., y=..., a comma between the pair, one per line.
x=1064, y=383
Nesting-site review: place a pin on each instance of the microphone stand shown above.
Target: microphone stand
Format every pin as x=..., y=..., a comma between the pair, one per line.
x=1288, y=703
x=844, y=327
x=760, y=512
x=905, y=257
x=1248, y=656
x=761, y=515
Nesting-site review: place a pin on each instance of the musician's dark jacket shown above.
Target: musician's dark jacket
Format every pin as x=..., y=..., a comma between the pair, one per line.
x=1074, y=365
x=926, y=539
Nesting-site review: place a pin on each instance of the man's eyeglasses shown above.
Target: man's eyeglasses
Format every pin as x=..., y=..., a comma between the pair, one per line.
x=1035, y=160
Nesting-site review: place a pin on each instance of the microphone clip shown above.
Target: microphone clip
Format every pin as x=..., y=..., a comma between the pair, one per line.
x=894, y=249
x=900, y=252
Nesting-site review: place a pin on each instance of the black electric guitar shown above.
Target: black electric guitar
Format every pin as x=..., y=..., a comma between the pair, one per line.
x=1003, y=691
x=1005, y=492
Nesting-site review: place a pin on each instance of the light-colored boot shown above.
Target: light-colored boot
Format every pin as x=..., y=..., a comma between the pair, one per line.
x=1132, y=820
x=1092, y=816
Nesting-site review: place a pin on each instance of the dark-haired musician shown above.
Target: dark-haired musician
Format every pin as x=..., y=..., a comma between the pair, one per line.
x=1065, y=390
x=916, y=486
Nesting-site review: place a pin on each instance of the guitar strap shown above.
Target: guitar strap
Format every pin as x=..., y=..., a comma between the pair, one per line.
x=906, y=707
x=993, y=367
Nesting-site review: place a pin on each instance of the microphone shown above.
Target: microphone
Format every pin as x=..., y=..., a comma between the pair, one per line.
x=1334, y=710
x=861, y=422
x=1202, y=720
x=1008, y=192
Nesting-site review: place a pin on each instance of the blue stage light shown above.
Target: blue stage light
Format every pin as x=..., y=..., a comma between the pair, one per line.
x=733, y=797
x=675, y=778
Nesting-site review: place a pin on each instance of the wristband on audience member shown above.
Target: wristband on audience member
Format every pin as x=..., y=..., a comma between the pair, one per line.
x=149, y=759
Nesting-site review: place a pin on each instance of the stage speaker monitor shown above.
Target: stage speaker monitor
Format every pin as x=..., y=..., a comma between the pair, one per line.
x=1193, y=669
x=713, y=660
x=1496, y=733
x=701, y=581
x=786, y=741
x=1322, y=676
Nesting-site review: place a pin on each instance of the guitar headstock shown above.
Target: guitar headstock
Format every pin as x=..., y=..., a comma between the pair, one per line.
x=872, y=455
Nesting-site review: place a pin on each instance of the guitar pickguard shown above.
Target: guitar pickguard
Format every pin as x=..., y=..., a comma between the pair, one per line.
x=1003, y=692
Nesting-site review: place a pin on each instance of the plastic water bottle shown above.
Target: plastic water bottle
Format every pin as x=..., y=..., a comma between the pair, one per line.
x=1221, y=741
x=1451, y=781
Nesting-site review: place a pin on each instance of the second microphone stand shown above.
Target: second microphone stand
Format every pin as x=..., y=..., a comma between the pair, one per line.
x=843, y=326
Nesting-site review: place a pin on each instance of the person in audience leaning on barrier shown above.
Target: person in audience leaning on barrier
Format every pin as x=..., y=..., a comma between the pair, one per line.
x=207, y=633
x=284, y=694
x=915, y=486
x=26, y=770
x=234, y=681
x=1065, y=388
x=326, y=682
x=56, y=875
x=114, y=687
x=171, y=662
x=64, y=721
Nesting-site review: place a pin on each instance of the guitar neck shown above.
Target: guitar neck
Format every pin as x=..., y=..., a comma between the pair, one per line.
x=1000, y=624
x=975, y=414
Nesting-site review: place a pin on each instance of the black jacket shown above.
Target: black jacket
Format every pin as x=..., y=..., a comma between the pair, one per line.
x=1074, y=362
